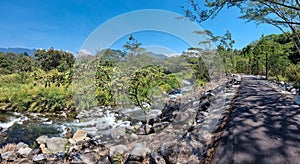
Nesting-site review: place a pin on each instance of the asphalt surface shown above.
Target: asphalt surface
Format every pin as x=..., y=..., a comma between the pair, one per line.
x=263, y=127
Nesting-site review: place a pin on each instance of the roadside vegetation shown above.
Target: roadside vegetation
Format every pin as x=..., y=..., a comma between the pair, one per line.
x=46, y=82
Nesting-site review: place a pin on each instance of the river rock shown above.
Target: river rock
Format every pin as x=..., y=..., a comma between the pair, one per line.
x=89, y=157
x=42, y=139
x=24, y=152
x=33, y=152
x=39, y=158
x=23, y=161
x=21, y=145
x=56, y=144
x=176, y=152
x=117, y=150
x=139, y=152
x=72, y=141
x=85, y=157
x=118, y=133
x=133, y=137
x=168, y=112
x=156, y=159
x=184, y=120
x=9, y=156
x=157, y=127
x=79, y=135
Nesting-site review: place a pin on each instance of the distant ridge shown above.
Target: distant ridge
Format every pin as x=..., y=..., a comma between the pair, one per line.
x=30, y=52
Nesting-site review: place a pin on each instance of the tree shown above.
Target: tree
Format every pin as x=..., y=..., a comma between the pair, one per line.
x=144, y=85
x=104, y=82
x=224, y=48
x=133, y=46
x=54, y=59
x=279, y=13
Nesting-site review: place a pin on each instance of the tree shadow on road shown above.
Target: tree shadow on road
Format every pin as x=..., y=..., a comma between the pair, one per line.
x=264, y=128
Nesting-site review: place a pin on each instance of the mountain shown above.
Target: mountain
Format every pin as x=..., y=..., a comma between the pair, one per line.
x=159, y=56
x=30, y=52
x=118, y=55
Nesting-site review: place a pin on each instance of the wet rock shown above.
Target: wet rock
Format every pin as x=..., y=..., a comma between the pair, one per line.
x=156, y=159
x=79, y=135
x=39, y=158
x=9, y=156
x=42, y=139
x=24, y=152
x=68, y=133
x=139, y=152
x=56, y=144
x=118, y=133
x=117, y=150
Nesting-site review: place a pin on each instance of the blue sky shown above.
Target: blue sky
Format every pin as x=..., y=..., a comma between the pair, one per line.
x=65, y=24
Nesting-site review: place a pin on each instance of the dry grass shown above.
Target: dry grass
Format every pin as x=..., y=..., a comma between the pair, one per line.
x=8, y=147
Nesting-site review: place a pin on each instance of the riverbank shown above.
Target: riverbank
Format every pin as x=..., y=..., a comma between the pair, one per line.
x=181, y=134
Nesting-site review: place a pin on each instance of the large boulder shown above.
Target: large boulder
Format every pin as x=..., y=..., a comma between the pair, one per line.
x=56, y=144
x=21, y=145
x=42, y=139
x=139, y=152
x=117, y=150
x=177, y=152
x=184, y=120
x=24, y=152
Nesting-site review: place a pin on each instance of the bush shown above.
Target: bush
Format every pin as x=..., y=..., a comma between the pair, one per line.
x=23, y=93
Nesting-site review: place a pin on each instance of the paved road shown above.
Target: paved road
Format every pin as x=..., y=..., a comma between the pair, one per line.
x=264, y=127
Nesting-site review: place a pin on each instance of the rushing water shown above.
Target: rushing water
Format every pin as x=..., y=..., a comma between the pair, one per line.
x=27, y=127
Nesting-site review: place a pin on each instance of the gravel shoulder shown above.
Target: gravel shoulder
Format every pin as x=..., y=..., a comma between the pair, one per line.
x=264, y=127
